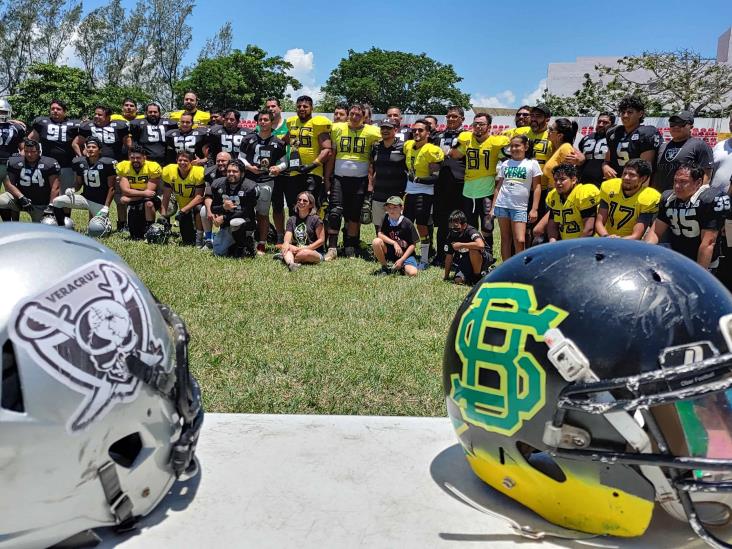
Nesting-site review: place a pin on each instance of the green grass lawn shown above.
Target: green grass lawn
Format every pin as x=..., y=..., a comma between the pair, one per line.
x=327, y=339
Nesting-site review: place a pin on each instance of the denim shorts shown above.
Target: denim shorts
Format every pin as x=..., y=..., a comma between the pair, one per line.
x=513, y=215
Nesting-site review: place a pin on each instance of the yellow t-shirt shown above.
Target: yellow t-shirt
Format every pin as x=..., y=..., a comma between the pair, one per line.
x=419, y=160
x=625, y=211
x=559, y=156
x=571, y=213
x=352, y=148
x=116, y=116
x=201, y=118
x=418, y=165
x=481, y=161
x=184, y=188
x=138, y=180
x=304, y=141
x=543, y=148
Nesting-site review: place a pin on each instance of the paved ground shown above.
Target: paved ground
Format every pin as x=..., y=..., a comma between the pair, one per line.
x=345, y=481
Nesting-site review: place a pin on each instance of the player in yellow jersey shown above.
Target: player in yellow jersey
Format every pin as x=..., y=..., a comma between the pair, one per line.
x=310, y=147
x=129, y=111
x=190, y=105
x=628, y=205
x=424, y=161
x=185, y=182
x=481, y=151
x=138, y=181
x=572, y=206
x=349, y=164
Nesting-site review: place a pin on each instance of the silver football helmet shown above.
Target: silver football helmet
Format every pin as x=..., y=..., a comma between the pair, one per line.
x=98, y=411
x=6, y=111
x=99, y=226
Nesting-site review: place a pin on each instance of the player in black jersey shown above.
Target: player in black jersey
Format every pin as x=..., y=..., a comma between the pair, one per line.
x=112, y=134
x=97, y=174
x=227, y=137
x=186, y=138
x=233, y=199
x=465, y=251
x=210, y=174
x=404, y=133
x=387, y=171
x=694, y=214
x=263, y=156
x=56, y=134
x=594, y=147
x=449, y=186
x=12, y=134
x=630, y=139
x=149, y=133
x=31, y=183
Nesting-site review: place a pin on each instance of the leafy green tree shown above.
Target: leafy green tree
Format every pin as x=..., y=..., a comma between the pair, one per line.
x=46, y=82
x=677, y=80
x=218, y=45
x=415, y=83
x=242, y=79
x=33, y=31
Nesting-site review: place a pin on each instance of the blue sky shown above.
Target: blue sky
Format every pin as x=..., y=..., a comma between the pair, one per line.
x=501, y=50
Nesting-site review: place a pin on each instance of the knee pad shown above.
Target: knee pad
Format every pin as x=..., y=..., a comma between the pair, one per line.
x=136, y=220
x=334, y=217
x=187, y=227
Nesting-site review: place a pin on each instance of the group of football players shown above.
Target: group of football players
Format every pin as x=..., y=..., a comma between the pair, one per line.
x=206, y=169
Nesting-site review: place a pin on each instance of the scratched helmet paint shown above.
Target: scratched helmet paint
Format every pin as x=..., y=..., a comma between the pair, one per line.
x=98, y=412
x=575, y=370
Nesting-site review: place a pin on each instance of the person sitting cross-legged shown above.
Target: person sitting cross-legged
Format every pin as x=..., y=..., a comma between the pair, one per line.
x=396, y=240
x=304, y=234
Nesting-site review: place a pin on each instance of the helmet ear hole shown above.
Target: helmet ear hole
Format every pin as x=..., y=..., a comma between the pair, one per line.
x=11, y=392
x=124, y=452
x=541, y=461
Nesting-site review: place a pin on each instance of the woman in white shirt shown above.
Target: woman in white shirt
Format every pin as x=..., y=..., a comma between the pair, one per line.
x=518, y=181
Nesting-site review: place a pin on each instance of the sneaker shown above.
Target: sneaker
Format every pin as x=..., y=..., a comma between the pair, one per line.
x=199, y=242
x=208, y=243
x=277, y=256
x=422, y=266
x=384, y=271
x=294, y=267
x=125, y=231
x=261, y=249
x=331, y=254
x=349, y=251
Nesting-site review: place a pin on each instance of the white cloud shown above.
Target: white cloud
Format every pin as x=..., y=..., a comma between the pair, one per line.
x=502, y=100
x=69, y=56
x=535, y=96
x=303, y=68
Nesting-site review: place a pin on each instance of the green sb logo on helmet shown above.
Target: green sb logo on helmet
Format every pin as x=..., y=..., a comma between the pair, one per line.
x=517, y=390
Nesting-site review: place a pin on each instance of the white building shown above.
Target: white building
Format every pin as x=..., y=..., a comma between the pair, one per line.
x=566, y=78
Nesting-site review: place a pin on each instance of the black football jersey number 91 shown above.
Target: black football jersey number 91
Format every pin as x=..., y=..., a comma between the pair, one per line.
x=56, y=138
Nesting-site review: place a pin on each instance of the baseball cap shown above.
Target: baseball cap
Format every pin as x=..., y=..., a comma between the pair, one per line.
x=395, y=200
x=542, y=108
x=387, y=123
x=684, y=116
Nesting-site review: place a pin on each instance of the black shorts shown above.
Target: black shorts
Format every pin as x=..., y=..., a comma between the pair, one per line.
x=461, y=264
x=477, y=211
x=156, y=200
x=287, y=187
x=418, y=208
x=349, y=193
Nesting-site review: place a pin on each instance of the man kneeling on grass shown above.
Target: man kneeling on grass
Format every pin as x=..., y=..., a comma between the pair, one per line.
x=396, y=241
x=465, y=251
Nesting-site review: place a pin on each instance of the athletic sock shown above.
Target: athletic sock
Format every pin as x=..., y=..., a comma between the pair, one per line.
x=424, y=248
x=333, y=241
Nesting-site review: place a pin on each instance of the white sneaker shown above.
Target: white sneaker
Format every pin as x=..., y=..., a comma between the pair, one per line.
x=331, y=254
